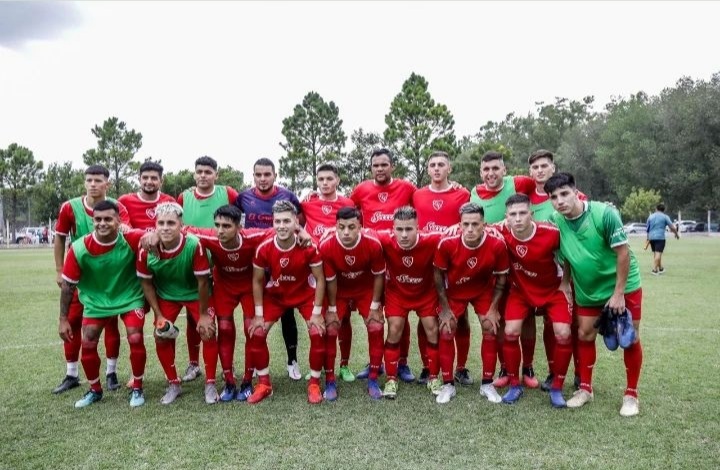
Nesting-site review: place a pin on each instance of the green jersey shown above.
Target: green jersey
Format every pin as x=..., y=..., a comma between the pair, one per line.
x=173, y=276
x=495, y=206
x=83, y=221
x=200, y=212
x=542, y=211
x=587, y=244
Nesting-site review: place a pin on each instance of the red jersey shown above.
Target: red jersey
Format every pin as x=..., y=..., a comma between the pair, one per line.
x=535, y=273
x=354, y=267
x=71, y=269
x=200, y=263
x=291, y=279
x=379, y=202
x=471, y=271
x=66, y=218
x=320, y=213
x=438, y=210
x=142, y=212
x=410, y=270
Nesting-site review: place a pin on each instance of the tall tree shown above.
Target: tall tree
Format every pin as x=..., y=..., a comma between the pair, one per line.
x=417, y=125
x=640, y=204
x=313, y=135
x=354, y=167
x=20, y=172
x=176, y=183
x=229, y=176
x=60, y=183
x=116, y=149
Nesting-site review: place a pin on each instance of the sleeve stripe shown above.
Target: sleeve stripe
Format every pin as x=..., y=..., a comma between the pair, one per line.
x=202, y=273
x=143, y=275
x=71, y=281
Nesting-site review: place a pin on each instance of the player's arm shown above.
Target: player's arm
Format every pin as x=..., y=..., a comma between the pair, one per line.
x=206, y=324
x=447, y=319
x=258, y=284
x=152, y=299
x=565, y=285
x=316, y=319
x=493, y=313
x=622, y=267
x=59, y=255
x=67, y=290
x=673, y=229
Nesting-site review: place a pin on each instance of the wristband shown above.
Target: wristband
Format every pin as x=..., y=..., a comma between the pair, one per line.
x=258, y=311
x=317, y=310
x=374, y=305
x=332, y=309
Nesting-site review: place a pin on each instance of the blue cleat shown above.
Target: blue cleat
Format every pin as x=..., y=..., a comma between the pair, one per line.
x=330, y=393
x=611, y=337
x=244, y=392
x=88, y=399
x=374, y=390
x=229, y=393
x=513, y=394
x=556, y=398
x=137, y=397
x=625, y=330
x=547, y=384
x=363, y=374
x=405, y=374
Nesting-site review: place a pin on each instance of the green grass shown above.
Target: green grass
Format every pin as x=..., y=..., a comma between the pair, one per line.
x=677, y=428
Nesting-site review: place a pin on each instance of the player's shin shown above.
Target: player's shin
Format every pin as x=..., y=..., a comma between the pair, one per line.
x=488, y=353
x=91, y=363
x=447, y=356
x=562, y=352
x=633, y=363
x=226, y=347
x=112, y=338
x=138, y=356
x=376, y=331
x=166, y=354
x=317, y=354
x=511, y=350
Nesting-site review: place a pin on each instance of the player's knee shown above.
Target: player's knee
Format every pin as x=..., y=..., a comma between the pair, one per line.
x=259, y=335
x=314, y=333
x=226, y=325
x=135, y=338
x=511, y=337
x=446, y=335
x=91, y=334
x=332, y=329
x=88, y=343
x=375, y=327
x=562, y=332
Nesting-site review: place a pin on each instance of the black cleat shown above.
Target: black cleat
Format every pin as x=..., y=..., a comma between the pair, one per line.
x=547, y=385
x=112, y=382
x=67, y=383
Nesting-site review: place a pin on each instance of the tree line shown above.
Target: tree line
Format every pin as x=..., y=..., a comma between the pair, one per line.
x=635, y=152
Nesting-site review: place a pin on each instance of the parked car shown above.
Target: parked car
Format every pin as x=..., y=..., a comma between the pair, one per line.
x=702, y=227
x=685, y=225
x=29, y=235
x=635, y=227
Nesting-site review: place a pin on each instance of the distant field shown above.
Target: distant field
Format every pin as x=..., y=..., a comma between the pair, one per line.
x=678, y=426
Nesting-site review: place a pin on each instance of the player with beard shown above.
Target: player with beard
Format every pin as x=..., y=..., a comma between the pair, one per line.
x=141, y=205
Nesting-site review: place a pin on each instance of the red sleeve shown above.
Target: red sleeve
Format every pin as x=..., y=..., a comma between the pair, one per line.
x=355, y=197
x=141, y=265
x=232, y=195
x=259, y=260
x=502, y=262
x=180, y=199
x=71, y=269
x=582, y=196
x=133, y=238
x=201, y=265
x=124, y=216
x=378, y=260
x=328, y=268
x=201, y=232
x=314, y=257
x=524, y=185
x=66, y=220
x=440, y=260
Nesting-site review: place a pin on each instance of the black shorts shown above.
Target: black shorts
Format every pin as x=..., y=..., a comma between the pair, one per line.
x=657, y=246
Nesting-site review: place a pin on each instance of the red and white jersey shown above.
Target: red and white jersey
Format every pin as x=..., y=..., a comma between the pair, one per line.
x=291, y=278
x=438, y=210
x=355, y=267
x=200, y=263
x=320, y=214
x=66, y=218
x=232, y=268
x=71, y=269
x=471, y=271
x=534, y=270
x=379, y=202
x=142, y=212
x=410, y=270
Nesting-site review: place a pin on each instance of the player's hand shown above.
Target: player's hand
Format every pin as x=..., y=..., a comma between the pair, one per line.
x=150, y=242
x=316, y=321
x=124, y=228
x=447, y=321
x=375, y=315
x=332, y=317
x=616, y=303
x=304, y=238
x=493, y=231
x=567, y=290
x=455, y=185
x=65, y=330
x=492, y=318
x=59, y=279
x=255, y=323
x=677, y=235
x=206, y=327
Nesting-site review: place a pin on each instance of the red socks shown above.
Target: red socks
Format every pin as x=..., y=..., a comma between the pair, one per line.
x=549, y=342
x=586, y=361
x=446, y=353
x=489, y=352
x=392, y=356
x=112, y=338
x=226, y=347
x=422, y=342
x=193, y=341
x=331, y=346
x=633, y=364
x=91, y=363
x=166, y=354
x=562, y=352
x=511, y=349
x=138, y=358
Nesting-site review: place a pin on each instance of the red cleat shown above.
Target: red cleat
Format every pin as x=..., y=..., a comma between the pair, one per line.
x=529, y=378
x=260, y=393
x=314, y=394
x=503, y=380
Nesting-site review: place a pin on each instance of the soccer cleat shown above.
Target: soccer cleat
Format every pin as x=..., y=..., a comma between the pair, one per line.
x=390, y=390
x=405, y=374
x=167, y=330
x=112, y=382
x=294, y=371
x=67, y=383
x=462, y=376
x=173, y=391
x=489, y=392
x=579, y=398
x=308, y=376
x=513, y=394
x=211, y=394
x=502, y=380
x=655, y=272
x=556, y=398
x=625, y=330
x=346, y=374
x=137, y=397
x=315, y=396
x=365, y=373
x=245, y=391
x=229, y=392
x=434, y=385
x=130, y=383
x=611, y=337
x=374, y=390
x=661, y=271
x=529, y=378
x=547, y=384
x=576, y=382
x=192, y=372
x=260, y=393
x=424, y=376
x=88, y=399
x=630, y=406
x=447, y=392
x=331, y=392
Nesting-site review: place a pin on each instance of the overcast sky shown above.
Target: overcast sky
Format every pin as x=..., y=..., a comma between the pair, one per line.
x=218, y=78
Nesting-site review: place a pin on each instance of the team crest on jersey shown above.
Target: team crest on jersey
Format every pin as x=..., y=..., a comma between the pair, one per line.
x=472, y=262
x=326, y=209
x=284, y=262
x=407, y=261
x=350, y=260
x=233, y=256
x=383, y=197
x=437, y=204
x=150, y=212
x=140, y=313
x=521, y=250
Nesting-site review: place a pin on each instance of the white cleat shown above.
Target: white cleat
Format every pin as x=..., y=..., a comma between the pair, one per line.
x=447, y=392
x=211, y=394
x=171, y=394
x=489, y=392
x=579, y=398
x=192, y=372
x=630, y=406
x=294, y=371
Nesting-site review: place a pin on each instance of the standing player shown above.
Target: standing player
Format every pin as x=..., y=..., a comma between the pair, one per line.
x=199, y=206
x=257, y=203
x=141, y=205
x=656, y=224
x=354, y=270
x=438, y=208
x=75, y=221
x=605, y=273
x=470, y=269
x=179, y=276
x=102, y=266
x=320, y=210
x=296, y=281
x=535, y=283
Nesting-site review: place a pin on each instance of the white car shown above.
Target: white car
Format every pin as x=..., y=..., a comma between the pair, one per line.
x=635, y=227
x=685, y=225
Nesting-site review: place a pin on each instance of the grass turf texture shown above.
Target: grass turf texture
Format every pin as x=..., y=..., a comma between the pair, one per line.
x=677, y=428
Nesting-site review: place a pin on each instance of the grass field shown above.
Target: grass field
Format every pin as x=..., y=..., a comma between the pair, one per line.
x=679, y=424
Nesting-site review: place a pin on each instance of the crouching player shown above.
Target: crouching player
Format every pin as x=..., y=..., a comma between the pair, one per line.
x=535, y=283
x=102, y=266
x=296, y=281
x=177, y=277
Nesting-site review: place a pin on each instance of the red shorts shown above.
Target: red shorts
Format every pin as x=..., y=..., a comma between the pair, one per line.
x=132, y=319
x=481, y=304
x=274, y=309
x=347, y=305
x=423, y=307
x=633, y=302
x=171, y=309
x=557, y=307
x=224, y=303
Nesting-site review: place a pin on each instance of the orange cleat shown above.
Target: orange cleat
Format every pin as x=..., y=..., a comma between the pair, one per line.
x=314, y=394
x=260, y=393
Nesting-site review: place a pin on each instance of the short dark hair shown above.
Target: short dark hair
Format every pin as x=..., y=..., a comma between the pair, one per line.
x=284, y=205
x=517, y=198
x=405, y=213
x=264, y=162
x=206, y=161
x=559, y=180
x=472, y=208
x=229, y=211
x=327, y=167
x=106, y=205
x=347, y=213
x=660, y=207
x=439, y=153
x=97, y=170
x=382, y=151
x=492, y=155
x=151, y=166
x=538, y=154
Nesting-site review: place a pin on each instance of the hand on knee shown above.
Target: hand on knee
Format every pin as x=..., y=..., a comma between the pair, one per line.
x=375, y=327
